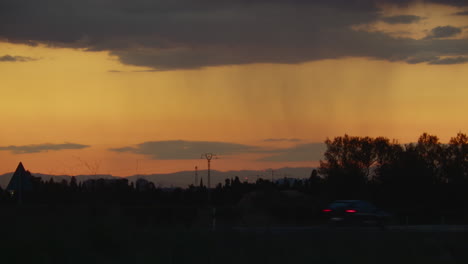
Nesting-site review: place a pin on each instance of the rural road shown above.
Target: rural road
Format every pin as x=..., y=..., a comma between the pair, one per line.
x=391, y=228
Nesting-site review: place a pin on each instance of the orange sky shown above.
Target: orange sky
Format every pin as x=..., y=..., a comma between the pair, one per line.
x=70, y=95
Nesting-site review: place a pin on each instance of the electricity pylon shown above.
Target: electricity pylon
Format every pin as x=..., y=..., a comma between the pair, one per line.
x=209, y=157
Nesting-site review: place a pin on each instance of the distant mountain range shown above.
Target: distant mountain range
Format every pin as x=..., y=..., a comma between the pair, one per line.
x=184, y=178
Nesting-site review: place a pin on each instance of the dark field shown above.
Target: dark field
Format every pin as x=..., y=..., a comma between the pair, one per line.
x=37, y=235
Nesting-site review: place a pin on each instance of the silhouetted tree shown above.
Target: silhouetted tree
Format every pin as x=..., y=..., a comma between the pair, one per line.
x=201, y=183
x=431, y=151
x=64, y=183
x=313, y=174
x=314, y=183
x=347, y=164
x=456, y=163
x=73, y=183
x=227, y=183
x=236, y=182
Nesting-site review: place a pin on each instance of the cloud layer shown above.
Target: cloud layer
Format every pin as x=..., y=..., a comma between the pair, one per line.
x=188, y=34
x=444, y=32
x=9, y=58
x=180, y=149
x=403, y=19
x=26, y=149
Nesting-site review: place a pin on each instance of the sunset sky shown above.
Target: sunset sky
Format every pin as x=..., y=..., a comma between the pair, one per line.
x=146, y=86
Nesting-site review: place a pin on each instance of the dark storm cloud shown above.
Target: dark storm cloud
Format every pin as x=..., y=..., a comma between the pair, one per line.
x=26, y=149
x=403, y=19
x=449, y=61
x=439, y=61
x=422, y=59
x=463, y=13
x=180, y=149
x=444, y=32
x=9, y=58
x=302, y=152
x=188, y=34
x=457, y=3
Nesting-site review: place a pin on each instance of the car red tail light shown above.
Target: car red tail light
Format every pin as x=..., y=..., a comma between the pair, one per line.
x=326, y=210
x=351, y=211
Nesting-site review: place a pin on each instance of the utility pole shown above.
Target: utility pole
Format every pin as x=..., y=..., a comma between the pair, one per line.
x=196, y=176
x=209, y=157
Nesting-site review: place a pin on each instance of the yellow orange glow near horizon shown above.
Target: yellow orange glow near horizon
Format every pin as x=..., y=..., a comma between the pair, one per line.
x=71, y=95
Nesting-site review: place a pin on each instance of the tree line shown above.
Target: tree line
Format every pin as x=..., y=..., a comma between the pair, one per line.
x=425, y=177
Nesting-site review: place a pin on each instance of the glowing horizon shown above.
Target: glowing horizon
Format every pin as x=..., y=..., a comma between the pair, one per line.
x=109, y=96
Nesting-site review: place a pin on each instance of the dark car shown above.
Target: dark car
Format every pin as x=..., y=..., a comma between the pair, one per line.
x=355, y=212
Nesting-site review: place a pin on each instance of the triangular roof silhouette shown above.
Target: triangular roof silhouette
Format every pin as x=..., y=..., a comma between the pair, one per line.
x=20, y=179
